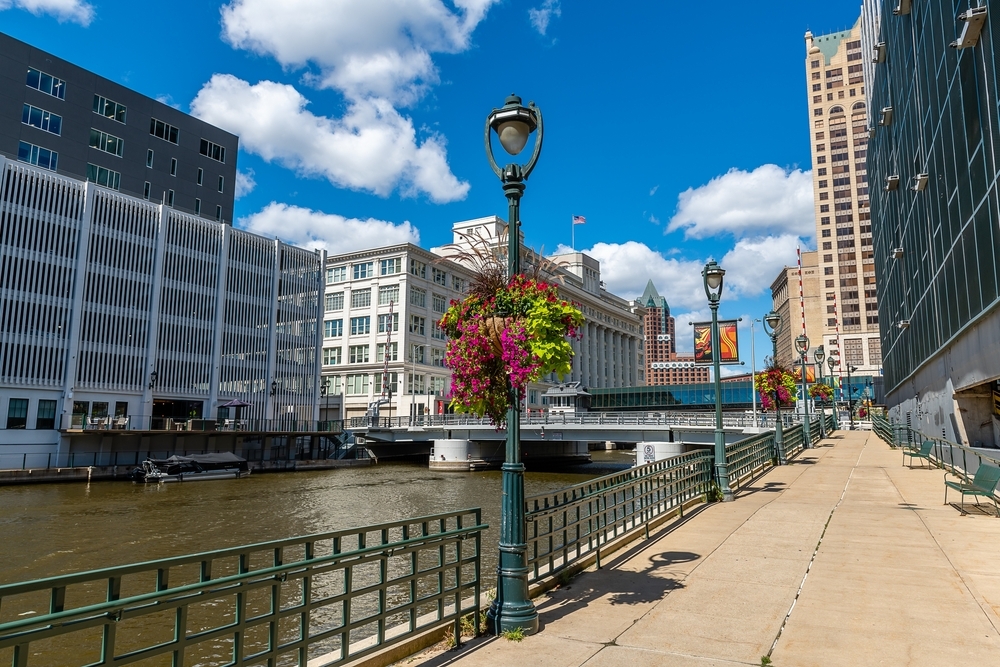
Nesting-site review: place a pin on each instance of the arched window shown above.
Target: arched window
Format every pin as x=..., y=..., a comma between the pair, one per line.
x=858, y=106
x=837, y=111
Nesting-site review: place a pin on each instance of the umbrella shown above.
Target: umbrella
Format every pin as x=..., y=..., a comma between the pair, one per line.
x=235, y=403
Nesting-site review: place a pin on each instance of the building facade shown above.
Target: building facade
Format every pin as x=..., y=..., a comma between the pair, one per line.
x=382, y=305
x=838, y=120
x=934, y=164
x=70, y=121
x=798, y=317
x=663, y=365
x=115, y=308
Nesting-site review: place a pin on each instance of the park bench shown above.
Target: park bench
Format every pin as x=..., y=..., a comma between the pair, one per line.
x=983, y=483
x=923, y=452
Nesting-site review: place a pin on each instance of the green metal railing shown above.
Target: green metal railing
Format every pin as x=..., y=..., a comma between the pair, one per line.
x=950, y=456
x=749, y=455
x=573, y=523
x=320, y=599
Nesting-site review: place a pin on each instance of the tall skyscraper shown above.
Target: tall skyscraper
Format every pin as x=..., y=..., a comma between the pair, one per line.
x=935, y=213
x=838, y=128
x=663, y=365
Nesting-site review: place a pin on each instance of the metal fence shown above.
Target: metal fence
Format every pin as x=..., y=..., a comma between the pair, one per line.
x=322, y=599
x=572, y=523
x=705, y=419
x=950, y=456
x=82, y=422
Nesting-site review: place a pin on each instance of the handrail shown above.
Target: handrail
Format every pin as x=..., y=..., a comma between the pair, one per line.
x=344, y=593
x=694, y=419
x=949, y=456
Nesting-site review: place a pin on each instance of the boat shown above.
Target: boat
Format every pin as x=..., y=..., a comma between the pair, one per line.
x=190, y=468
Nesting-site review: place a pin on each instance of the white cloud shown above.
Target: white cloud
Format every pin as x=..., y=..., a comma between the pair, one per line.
x=76, y=11
x=362, y=47
x=627, y=267
x=245, y=183
x=307, y=228
x=767, y=200
x=541, y=16
x=753, y=264
x=684, y=341
x=652, y=190
x=372, y=147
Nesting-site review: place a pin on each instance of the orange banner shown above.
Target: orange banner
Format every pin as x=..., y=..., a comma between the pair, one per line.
x=728, y=343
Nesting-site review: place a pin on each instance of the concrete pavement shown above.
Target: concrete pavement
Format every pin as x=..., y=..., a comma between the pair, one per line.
x=841, y=558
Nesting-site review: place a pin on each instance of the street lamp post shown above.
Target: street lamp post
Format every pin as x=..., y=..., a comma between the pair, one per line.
x=773, y=327
x=274, y=403
x=713, y=275
x=753, y=371
x=513, y=124
x=819, y=356
x=802, y=345
x=832, y=363
x=850, y=394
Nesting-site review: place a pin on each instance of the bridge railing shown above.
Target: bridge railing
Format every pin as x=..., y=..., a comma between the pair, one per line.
x=334, y=597
x=950, y=456
x=704, y=419
x=573, y=523
x=81, y=422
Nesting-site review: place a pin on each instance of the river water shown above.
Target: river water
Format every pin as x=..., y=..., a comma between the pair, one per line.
x=50, y=529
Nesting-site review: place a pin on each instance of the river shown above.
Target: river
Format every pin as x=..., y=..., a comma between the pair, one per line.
x=50, y=529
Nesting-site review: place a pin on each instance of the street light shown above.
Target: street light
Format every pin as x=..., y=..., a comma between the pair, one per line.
x=802, y=345
x=753, y=371
x=832, y=363
x=513, y=124
x=820, y=355
x=850, y=394
x=772, y=327
x=274, y=403
x=713, y=275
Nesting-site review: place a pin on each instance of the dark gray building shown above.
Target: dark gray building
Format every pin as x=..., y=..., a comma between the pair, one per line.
x=61, y=117
x=933, y=165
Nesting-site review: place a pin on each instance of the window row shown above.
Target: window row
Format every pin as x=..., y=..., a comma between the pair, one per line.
x=17, y=414
x=38, y=156
x=46, y=83
x=42, y=119
x=358, y=384
x=162, y=130
x=109, y=108
x=108, y=143
x=212, y=150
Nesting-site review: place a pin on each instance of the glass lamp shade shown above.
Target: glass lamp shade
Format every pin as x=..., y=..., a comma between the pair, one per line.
x=831, y=362
x=773, y=322
x=713, y=274
x=513, y=135
x=802, y=344
x=819, y=354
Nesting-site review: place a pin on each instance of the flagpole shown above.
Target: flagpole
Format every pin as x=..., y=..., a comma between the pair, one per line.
x=572, y=234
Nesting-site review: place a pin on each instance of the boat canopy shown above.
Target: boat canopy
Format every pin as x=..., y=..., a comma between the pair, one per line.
x=209, y=459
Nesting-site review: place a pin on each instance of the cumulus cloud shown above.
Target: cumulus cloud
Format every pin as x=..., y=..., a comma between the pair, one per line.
x=362, y=47
x=76, y=11
x=652, y=190
x=371, y=148
x=541, y=16
x=307, y=228
x=753, y=264
x=245, y=183
x=767, y=200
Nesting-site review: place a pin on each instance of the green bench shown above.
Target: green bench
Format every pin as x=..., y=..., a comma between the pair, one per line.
x=924, y=452
x=984, y=483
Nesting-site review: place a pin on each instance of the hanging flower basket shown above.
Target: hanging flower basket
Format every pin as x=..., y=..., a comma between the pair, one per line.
x=515, y=334
x=775, y=381
x=821, y=391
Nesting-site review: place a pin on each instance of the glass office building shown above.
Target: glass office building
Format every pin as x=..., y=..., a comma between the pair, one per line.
x=698, y=396
x=931, y=72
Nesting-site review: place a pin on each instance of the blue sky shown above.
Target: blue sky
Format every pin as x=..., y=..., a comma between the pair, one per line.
x=678, y=130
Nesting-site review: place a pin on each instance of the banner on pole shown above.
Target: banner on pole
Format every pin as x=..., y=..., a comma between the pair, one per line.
x=728, y=343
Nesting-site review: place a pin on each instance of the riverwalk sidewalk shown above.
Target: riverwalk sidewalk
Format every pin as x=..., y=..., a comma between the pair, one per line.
x=843, y=557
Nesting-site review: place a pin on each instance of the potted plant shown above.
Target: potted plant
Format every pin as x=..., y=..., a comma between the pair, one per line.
x=821, y=391
x=512, y=330
x=775, y=383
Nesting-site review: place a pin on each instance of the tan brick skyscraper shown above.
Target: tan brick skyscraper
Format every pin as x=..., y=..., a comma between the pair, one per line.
x=838, y=128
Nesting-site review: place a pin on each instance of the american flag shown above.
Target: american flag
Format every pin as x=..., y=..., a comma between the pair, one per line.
x=579, y=220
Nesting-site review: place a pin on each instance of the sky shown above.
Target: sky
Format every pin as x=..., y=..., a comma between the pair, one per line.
x=678, y=130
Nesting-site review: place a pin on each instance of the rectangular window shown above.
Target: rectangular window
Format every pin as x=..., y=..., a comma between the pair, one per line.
x=170, y=198
x=331, y=356
x=437, y=357
x=201, y=175
x=384, y=322
x=334, y=302
x=358, y=354
x=361, y=325
x=415, y=383
x=46, y=83
x=361, y=298
x=102, y=176
x=17, y=413
x=162, y=130
x=356, y=385
x=393, y=352
x=222, y=183
x=36, y=155
x=388, y=294
x=418, y=297
x=439, y=303
x=417, y=324
x=393, y=382
x=418, y=354
x=439, y=276
x=109, y=109
x=418, y=269
x=197, y=206
x=43, y=120
x=333, y=328
x=364, y=270
x=390, y=266
x=218, y=213
x=337, y=274
x=149, y=158
x=437, y=332
x=108, y=143
x=46, y=418
x=457, y=284
x=173, y=166
x=145, y=190
x=212, y=150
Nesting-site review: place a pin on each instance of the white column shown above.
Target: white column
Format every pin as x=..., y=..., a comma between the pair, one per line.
x=602, y=357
